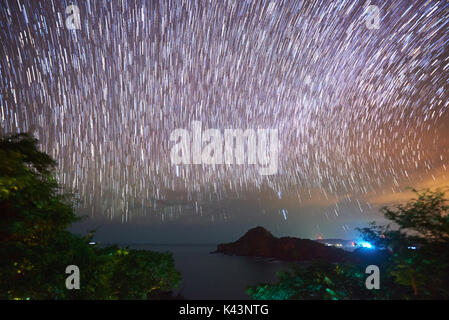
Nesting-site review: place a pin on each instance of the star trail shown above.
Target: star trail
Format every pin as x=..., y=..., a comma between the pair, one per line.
x=361, y=112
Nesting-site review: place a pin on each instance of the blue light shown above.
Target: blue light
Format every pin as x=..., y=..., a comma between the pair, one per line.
x=366, y=245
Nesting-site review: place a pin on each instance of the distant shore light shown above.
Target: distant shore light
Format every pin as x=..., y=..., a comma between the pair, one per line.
x=367, y=245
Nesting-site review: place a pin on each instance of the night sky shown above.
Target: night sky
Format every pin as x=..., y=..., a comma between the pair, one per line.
x=361, y=112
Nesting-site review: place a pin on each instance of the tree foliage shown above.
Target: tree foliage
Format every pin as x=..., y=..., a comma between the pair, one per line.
x=319, y=281
x=412, y=254
x=36, y=248
x=421, y=224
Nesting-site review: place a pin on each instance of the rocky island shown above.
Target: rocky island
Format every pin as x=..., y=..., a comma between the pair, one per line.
x=259, y=242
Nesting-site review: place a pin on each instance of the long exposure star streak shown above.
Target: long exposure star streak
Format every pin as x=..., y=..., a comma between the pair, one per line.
x=361, y=112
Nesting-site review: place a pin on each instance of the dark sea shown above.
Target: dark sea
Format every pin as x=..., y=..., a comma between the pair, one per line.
x=216, y=276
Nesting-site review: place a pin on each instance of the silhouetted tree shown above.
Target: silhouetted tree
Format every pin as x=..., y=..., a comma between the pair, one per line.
x=412, y=254
x=36, y=248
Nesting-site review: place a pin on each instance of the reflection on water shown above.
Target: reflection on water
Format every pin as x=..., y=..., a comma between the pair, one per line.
x=216, y=276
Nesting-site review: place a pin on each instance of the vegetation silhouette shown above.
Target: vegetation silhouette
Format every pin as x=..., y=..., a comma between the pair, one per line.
x=412, y=253
x=36, y=248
